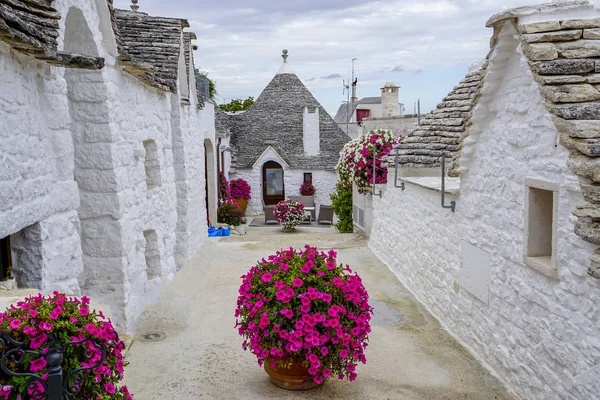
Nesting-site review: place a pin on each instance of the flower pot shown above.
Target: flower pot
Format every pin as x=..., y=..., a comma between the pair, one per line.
x=243, y=203
x=241, y=229
x=294, y=377
x=10, y=284
x=288, y=229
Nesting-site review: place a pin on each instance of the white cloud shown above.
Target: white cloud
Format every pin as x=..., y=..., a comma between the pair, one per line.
x=240, y=42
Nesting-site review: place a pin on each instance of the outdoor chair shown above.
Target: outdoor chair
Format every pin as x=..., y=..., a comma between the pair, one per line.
x=325, y=215
x=269, y=214
x=309, y=204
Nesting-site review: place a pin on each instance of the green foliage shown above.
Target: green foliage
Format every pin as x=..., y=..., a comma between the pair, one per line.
x=212, y=86
x=231, y=214
x=236, y=105
x=341, y=202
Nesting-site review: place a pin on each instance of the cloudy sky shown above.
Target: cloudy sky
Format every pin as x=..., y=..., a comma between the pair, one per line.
x=424, y=46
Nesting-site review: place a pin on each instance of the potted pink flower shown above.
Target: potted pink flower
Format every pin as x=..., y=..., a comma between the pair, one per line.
x=86, y=338
x=304, y=317
x=289, y=213
x=240, y=191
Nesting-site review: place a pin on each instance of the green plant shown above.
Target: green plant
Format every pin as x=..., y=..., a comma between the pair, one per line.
x=231, y=214
x=341, y=202
x=237, y=105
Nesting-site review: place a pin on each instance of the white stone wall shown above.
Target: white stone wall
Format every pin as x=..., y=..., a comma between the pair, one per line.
x=73, y=180
x=398, y=125
x=311, y=132
x=323, y=181
x=539, y=335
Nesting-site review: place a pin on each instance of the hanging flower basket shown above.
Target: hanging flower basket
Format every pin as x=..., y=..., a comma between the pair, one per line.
x=356, y=160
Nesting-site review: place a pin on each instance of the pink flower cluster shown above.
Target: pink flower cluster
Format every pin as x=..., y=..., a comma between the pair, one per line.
x=240, y=189
x=356, y=159
x=289, y=212
x=301, y=304
x=38, y=319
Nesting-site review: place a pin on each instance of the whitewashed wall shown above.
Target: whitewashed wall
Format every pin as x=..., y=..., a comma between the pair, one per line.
x=539, y=335
x=323, y=181
x=73, y=189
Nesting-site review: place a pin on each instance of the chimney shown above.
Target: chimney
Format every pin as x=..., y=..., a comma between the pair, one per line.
x=390, y=100
x=312, y=138
x=354, y=85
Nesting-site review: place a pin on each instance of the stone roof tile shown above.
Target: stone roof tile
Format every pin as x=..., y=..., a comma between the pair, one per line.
x=440, y=131
x=276, y=119
x=31, y=27
x=150, y=47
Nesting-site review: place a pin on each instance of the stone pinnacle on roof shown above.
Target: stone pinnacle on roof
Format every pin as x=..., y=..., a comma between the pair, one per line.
x=134, y=6
x=285, y=68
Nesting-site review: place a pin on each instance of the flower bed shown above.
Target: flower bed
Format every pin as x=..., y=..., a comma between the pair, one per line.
x=38, y=321
x=290, y=213
x=302, y=304
x=356, y=159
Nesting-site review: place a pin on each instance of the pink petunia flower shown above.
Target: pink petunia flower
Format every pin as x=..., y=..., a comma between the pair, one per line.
x=37, y=365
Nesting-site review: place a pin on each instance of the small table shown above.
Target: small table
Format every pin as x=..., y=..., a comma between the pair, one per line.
x=310, y=210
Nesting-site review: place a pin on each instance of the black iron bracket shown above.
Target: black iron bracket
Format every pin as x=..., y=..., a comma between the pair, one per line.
x=374, y=192
x=452, y=205
x=402, y=185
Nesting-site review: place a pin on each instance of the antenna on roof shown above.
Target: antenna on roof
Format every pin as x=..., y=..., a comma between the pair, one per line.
x=134, y=6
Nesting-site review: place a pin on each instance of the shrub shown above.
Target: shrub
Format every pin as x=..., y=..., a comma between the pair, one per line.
x=230, y=213
x=289, y=212
x=356, y=159
x=239, y=189
x=224, y=188
x=307, y=189
x=302, y=304
x=341, y=202
x=41, y=322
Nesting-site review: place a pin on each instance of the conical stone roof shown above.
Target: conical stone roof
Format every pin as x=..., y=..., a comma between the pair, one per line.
x=276, y=120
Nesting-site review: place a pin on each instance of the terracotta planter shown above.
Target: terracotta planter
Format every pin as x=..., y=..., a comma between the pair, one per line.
x=294, y=377
x=243, y=203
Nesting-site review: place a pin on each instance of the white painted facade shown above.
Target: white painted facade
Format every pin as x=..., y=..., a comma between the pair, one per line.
x=76, y=147
x=311, y=132
x=538, y=331
x=323, y=181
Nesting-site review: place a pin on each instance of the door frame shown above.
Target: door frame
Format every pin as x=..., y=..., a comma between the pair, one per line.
x=272, y=199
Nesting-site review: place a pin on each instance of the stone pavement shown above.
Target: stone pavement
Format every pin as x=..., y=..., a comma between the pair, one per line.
x=187, y=348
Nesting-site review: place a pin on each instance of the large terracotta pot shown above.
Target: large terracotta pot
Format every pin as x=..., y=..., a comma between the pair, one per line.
x=243, y=203
x=294, y=377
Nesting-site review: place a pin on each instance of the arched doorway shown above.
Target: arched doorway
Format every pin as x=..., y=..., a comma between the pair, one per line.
x=210, y=182
x=273, y=183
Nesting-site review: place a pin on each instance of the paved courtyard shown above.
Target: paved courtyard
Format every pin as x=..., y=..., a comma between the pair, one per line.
x=199, y=356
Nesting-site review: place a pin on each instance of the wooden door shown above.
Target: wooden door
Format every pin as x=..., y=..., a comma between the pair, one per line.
x=273, y=185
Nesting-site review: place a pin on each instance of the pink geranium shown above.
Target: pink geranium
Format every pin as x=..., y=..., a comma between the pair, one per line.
x=294, y=314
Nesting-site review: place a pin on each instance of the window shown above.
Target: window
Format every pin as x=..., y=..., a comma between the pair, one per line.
x=541, y=204
x=152, y=165
x=308, y=177
x=362, y=114
x=5, y=258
